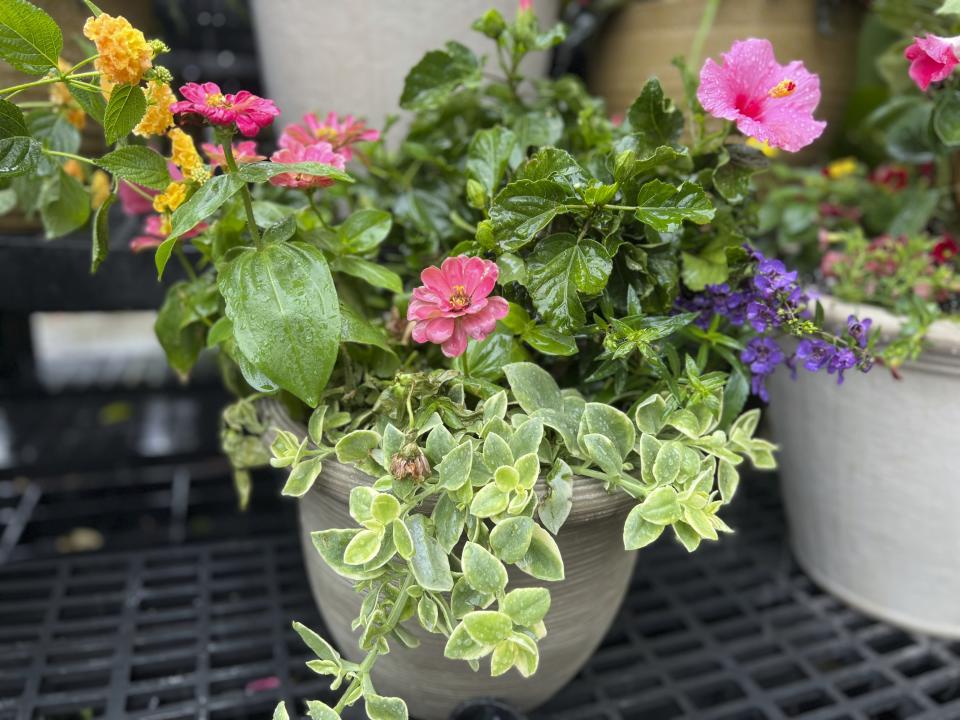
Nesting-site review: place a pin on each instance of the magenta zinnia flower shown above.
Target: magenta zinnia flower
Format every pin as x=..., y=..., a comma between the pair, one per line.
x=246, y=111
x=767, y=101
x=321, y=152
x=932, y=59
x=454, y=303
x=341, y=134
x=243, y=152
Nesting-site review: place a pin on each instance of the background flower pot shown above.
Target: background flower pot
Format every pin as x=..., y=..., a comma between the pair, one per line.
x=642, y=39
x=358, y=53
x=583, y=605
x=871, y=482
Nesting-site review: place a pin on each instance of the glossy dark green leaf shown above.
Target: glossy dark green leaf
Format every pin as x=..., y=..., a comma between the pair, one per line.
x=552, y=163
x=732, y=179
x=664, y=207
x=548, y=341
x=488, y=155
x=180, y=334
x=286, y=316
x=524, y=208
x=18, y=156
x=12, y=122
x=559, y=270
x=355, y=328
x=29, y=38
x=126, y=106
x=654, y=118
x=438, y=74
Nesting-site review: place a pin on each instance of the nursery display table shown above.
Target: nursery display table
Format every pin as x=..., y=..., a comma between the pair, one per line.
x=185, y=612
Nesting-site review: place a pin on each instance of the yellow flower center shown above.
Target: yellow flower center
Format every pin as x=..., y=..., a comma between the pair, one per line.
x=216, y=100
x=783, y=89
x=326, y=133
x=459, y=300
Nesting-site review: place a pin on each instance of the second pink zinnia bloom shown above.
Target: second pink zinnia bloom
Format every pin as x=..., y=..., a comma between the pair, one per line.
x=454, y=303
x=767, y=101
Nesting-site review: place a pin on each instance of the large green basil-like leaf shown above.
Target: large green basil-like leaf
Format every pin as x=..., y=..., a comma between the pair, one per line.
x=559, y=270
x=286, y=316
x=66, y=206
x=364, y=230
x=126, y=106
x=139, y=165
x=18, y=156
x=664, y=207
x=179, y=327
x=371, y=272
x=438, y=74
x=12, y=122
x=654, y=118
x=524, y=208
x=29, y=38
x=488, y=155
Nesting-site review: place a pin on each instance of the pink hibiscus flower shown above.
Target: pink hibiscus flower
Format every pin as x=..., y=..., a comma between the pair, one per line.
x=454, y=303
x=246, y=111
x=243, y=152
x=155, y=231
x=932, y=59
x=341, y=134
x=321, y=152
x=768, y=101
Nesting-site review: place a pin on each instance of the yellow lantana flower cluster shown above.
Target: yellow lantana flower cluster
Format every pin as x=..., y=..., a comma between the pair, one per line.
x=158, y=118
x=125, y=54
x=185, y=156
x=171, y=198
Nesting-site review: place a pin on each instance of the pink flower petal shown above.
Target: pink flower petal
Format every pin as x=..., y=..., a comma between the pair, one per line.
x=457, y=343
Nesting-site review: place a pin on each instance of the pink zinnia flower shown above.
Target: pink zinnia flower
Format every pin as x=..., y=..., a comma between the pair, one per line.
x=454, y=303
x=768, y=101
x=525, y=5
x=243, y=152
x=155, y=231
x=246, y=111
x=932, y=59
x=321, y=152
x=341, y=134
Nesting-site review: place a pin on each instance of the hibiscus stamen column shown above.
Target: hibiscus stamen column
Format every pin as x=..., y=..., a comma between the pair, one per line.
x=226, y=142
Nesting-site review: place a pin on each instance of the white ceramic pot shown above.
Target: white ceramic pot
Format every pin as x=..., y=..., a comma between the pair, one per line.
x=352, y=57
x=871, y=479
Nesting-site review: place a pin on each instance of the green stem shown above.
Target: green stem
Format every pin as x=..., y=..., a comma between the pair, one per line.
x=83, y=62
x=372, y=655
x=80, y=158
x=14, y=89
x=706, y=23
x=244, y=191
x=184, y=262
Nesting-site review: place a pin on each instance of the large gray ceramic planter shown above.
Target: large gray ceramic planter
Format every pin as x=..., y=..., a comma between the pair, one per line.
x=582, y=608
x=871, y=478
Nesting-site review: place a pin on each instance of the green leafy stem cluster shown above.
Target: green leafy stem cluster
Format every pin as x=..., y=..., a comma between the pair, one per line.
x=497, y=484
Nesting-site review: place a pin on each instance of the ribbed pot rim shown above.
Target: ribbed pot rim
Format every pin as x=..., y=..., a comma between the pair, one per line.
x=590, y=500
x=943, y=336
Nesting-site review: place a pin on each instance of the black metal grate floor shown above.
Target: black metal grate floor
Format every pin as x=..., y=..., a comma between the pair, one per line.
x=202, y=630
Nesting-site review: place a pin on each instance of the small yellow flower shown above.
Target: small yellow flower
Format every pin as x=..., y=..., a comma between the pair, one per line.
x=65, y=102
x=184, y=153
x=125, y=54
x=171, y=198
x=165, y=225
x=841, y=168
x=764, y=147
x=158, y=118
x=74, y=169
x=99, y=188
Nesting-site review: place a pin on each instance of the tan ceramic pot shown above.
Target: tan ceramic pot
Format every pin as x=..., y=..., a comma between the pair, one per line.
x=870, y=480
x=642, y=39
x=583, y=605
